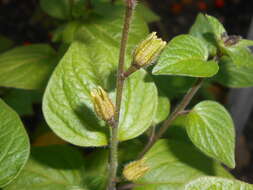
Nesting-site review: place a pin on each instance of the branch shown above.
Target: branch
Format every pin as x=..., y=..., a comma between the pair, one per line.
x=119, y=92
x=178, y=111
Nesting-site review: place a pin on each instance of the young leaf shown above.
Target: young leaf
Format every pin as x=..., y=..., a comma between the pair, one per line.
x=27, y=67
x=185, y=55
x=147, y=14
x=233, y=75
x=215, y=183
x=57, y=8
x=52, y=168
x=240, y=55
x=217, y=28
x=171, y=169
x=205, y=34
x=211, y=129
x=14, y=145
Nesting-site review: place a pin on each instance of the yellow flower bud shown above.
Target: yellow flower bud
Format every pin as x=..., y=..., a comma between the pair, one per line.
x=148, y=50
x=135, y=170
x=102, y=104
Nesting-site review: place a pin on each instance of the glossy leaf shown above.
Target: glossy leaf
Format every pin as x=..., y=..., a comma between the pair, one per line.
x=211, y=129
x=52, y=168
x=241, y=56
x=67, y=102
x=171, y=169
x=215, y=183
x=205, y=34
x=217, y=28
x=27, y=67
x=56, y=8
x=91, y=61
x=14, y=145
x=163, y=109
x=234, y=76
x=185, y=55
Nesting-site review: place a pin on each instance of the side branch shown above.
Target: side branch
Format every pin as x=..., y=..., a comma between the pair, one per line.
x=178, y=111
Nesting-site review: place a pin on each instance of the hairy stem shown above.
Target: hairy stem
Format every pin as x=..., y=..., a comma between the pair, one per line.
x=119, y=92
x=178, y=111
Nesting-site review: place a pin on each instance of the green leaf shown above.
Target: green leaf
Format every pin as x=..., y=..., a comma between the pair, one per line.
x=27, y=67
x=52, y=168
x=14, y=145
x=217, y=28
x=211, y=129
x=5, y=43
x=96, y=170
x=245, y=43
x=205, y=34
x=163, y=108
x=173, y=86
x=56, y=8
x=68, y=92
x=233, y=75
x=172, y=164
x=69, y=31
x=22, y=100
x=185, y=55
x=92, y=61
x=215, y=183
x=147, y=14
x=239, y=55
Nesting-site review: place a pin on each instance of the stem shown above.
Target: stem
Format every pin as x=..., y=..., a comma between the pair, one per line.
x=130, y=71
x=119, y=92
x=89, y=4
x=178, y=111
x=127, y=186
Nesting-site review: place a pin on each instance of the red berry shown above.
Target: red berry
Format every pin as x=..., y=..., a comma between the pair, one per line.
x=176, y=8
x=202, y=6
x=186, y=2
x=219, y=3
x=26, y=43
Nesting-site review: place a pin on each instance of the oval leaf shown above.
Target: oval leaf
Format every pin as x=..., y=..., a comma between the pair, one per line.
x=14, y=145
x=171, y=169
x=187, y=56
x=67, y=102
x=214, y=183
x=211, y=129
x=52, y=168
x=27, y=67
x=233, y=75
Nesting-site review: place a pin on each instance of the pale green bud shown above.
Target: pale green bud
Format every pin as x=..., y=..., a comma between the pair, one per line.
x=135, y=170
x=102, y=104
x=148, y=50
